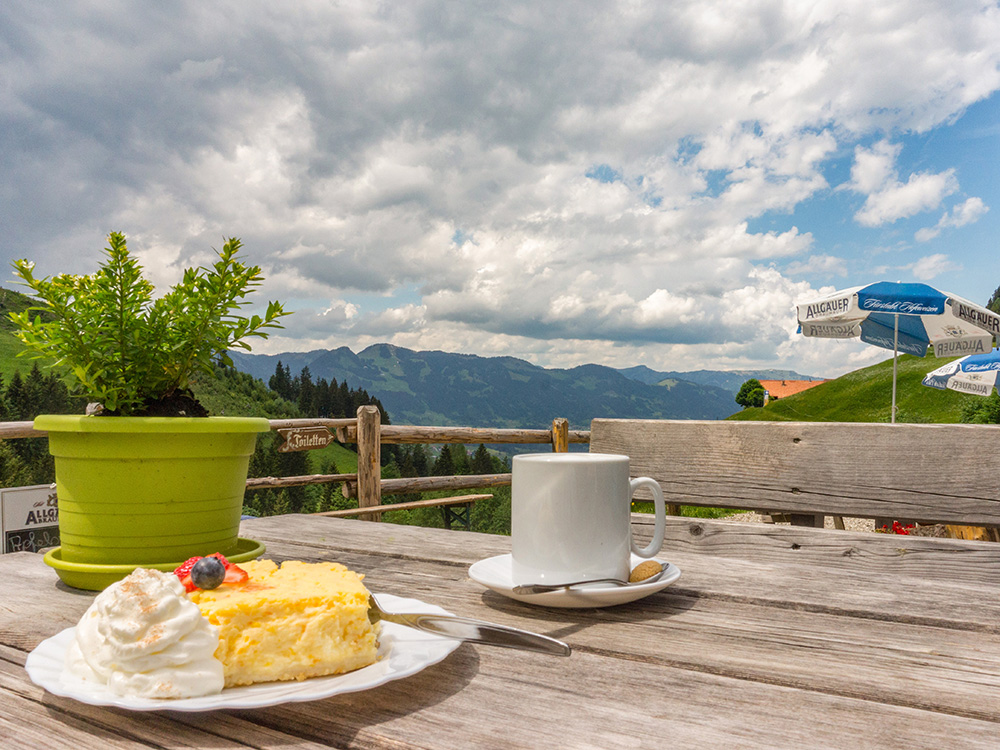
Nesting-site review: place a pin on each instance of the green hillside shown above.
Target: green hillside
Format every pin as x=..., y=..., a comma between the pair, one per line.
x=11, y=301
x=865, y=395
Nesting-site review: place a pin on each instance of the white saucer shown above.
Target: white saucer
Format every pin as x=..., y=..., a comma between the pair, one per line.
x=495, y=574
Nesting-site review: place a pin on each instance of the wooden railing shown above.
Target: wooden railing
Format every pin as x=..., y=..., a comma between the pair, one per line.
x=369, y=434
x=19, y=430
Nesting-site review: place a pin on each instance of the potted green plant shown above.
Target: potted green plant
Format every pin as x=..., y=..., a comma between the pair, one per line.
x=145, y=477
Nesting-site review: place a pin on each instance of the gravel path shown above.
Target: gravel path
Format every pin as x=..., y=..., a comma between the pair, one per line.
x=868, y=524
x=850, y=524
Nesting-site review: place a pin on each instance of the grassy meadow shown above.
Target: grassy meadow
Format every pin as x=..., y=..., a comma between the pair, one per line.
x=865, y=395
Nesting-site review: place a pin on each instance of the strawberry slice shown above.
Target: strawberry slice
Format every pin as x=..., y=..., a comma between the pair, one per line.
x=221, y=558
x=235, y=575
x=183, y=572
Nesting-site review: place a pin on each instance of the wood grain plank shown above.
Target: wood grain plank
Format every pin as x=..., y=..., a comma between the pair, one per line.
x=369, y=459
x=932, y=559
x=778, y=566
x=902, y=662
x=753, y=624
x=379, y=509
x=423, y=434
x=479, y=698
x=20, y=430
x=589, y=700
x=928, y=473
x=937, y=559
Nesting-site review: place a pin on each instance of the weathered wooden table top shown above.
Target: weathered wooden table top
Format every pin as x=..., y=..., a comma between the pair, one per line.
x=774, y=637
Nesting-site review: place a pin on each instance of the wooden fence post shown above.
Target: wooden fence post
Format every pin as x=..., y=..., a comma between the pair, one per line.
x=560, y=435
x=369, y=459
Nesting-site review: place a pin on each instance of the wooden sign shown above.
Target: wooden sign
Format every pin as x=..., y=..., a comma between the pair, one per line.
x=29, y=518
x=304, y=438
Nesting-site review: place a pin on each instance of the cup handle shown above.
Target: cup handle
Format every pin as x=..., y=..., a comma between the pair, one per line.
x=661, y=516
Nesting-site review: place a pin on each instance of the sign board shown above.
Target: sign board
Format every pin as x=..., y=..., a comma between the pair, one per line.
x=29, y=518
x=304, y=438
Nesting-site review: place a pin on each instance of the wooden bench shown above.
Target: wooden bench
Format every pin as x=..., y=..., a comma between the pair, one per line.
x=930, y=474
x=445, y=503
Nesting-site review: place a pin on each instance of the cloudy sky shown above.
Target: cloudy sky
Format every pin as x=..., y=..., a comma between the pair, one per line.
x=567, y=182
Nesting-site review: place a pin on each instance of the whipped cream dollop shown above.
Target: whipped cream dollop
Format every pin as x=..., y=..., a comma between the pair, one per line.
x=143, y=637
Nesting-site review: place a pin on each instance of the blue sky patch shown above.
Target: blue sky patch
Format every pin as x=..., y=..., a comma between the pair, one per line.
x=604, y=173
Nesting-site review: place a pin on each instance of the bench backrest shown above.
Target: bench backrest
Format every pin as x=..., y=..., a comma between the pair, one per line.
x=919, y=472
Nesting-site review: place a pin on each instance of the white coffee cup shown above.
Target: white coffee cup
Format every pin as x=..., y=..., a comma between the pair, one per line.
x=570, y=517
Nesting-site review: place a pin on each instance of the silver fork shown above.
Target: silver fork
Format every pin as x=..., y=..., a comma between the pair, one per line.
x=467, y=629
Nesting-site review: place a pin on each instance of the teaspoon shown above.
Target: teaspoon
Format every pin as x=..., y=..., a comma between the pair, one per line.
x=544, y=588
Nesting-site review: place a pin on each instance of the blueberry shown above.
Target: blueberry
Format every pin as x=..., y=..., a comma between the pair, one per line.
x=208, y=573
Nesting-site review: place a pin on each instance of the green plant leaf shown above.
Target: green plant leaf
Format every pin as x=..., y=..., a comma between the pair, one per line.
x=119, y=346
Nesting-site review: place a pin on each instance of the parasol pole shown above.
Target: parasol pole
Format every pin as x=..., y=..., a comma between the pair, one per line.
x=895, y=359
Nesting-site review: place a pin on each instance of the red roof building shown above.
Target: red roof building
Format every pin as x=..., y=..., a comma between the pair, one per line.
x=782, y=388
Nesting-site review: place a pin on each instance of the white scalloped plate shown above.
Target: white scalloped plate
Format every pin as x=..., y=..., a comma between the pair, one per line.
x=495, y=574
x=402, y=652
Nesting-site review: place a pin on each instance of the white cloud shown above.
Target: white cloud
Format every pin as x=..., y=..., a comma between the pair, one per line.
x=350, y=145
x=899, y=200
x=819, y=265
x=931, y=266
x=965, y=213
x=874, y=167
x=889, y=199
x=968, y=212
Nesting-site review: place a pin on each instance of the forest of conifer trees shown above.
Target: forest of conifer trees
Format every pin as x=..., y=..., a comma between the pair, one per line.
x=334, y=400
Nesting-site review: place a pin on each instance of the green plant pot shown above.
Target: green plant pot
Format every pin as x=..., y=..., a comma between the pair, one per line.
x=149, y=490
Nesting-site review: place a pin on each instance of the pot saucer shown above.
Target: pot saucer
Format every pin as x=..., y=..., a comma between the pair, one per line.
x=495, y=574
x=94, y=577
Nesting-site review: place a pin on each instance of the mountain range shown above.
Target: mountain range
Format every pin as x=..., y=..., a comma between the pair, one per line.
x=442, y=388
x=434, y=387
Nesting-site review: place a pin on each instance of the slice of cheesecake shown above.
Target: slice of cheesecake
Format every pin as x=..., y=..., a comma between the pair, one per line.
x=290, y=622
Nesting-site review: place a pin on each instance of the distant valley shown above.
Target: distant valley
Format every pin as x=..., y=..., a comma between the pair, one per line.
x=433, y=387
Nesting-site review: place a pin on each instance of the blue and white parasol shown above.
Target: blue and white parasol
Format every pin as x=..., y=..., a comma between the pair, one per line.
x=902, y=318
x=976, y=374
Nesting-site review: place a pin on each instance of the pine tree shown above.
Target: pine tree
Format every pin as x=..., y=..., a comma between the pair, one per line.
x=407, y=467
x=263, y=461
x=336, y=401
x=482, y=461
x=994, y=303
x=293, y=464
x=17, y=398
x=460, y=459
x=444, y=466
x=307, y=393
x=35, y=396
x=350, y=409
x=13, y=470
x=252, y=503
x=323, y=400
x=420, y=460
x=282, y=505
x=24, y=399
x=281, y=382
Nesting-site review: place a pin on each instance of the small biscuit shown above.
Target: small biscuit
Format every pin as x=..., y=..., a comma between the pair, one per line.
x=644, y=570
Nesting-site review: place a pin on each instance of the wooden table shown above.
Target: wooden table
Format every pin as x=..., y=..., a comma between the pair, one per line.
x=774, y=637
